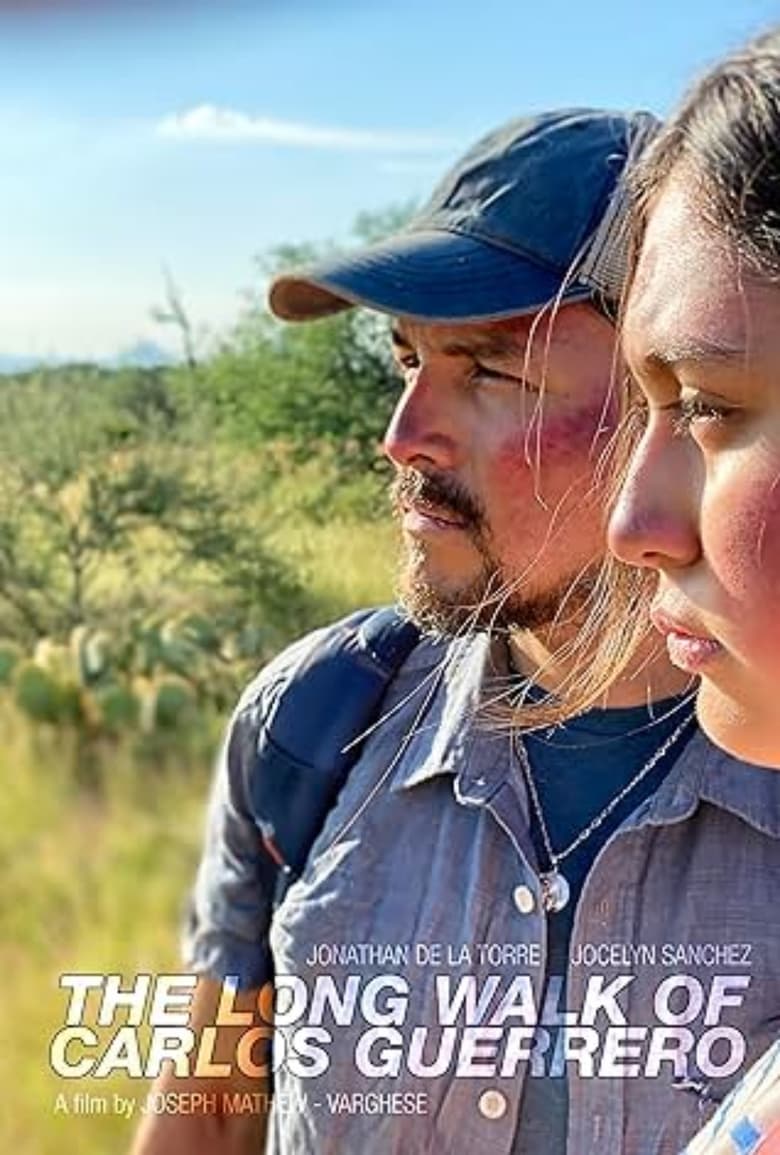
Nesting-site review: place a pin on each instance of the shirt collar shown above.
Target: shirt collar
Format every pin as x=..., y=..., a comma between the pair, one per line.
x=705, y=773
x=446, y=733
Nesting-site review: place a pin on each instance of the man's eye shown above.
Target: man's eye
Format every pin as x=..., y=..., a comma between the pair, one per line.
x=480, y=370
x=407, y=362
x=480, y=373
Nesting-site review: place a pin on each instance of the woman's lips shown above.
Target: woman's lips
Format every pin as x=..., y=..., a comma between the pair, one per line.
x=689, y=650
x=691, y=654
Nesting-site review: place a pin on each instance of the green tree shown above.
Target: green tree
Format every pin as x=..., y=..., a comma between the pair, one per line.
x=102, y=511
x=326, y=384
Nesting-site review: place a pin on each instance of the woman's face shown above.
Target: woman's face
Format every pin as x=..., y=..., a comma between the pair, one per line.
x=701, y=503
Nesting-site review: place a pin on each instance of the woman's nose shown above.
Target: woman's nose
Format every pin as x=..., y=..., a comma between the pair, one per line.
x=654, y=521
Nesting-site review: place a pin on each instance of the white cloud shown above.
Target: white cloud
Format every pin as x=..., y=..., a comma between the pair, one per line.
x=208, y=122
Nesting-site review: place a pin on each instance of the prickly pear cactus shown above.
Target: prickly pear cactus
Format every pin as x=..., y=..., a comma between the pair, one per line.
x=116, y=708
x=55, y=658
x=177, y=652
x=39, y=694
x=167, y=703
x=10, y=656
x=200, y=632
x=91, y=654
x=153, y=675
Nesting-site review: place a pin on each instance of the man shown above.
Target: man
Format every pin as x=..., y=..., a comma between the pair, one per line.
x=424, y=959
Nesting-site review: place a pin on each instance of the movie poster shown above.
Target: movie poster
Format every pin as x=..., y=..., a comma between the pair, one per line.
x=189, y=488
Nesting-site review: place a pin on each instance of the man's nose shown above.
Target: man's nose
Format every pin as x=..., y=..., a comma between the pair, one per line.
x=654, y=521
x=423, y=428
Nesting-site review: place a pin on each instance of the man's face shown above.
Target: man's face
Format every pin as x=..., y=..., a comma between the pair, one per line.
x=495, y=440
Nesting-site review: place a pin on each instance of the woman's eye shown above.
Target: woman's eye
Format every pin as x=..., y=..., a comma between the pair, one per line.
x=693, y=411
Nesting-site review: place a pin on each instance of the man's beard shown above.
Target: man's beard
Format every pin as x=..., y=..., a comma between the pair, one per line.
x=490, y=600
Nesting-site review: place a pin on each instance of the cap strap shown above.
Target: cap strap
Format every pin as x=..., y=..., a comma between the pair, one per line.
x=605, y=264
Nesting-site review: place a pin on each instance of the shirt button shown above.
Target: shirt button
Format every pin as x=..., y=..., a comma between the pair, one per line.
x=492, y=1104
x=524, y=899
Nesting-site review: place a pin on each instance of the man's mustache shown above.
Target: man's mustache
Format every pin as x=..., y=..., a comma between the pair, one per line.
x=411, y=487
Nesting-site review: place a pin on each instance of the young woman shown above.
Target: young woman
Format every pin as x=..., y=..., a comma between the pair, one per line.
x=701, y=501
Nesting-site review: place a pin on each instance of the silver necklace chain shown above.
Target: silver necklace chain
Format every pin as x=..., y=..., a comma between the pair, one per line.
x=553, y=877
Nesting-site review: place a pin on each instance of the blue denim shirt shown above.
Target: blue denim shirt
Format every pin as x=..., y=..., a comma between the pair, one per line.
x=422, y=889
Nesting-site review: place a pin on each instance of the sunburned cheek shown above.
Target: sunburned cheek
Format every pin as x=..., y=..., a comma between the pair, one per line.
x=744, y=544
x=768, y=538
x=558, y=439
x=577, y=434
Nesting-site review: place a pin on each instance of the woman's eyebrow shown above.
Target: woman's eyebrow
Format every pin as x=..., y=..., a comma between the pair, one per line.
x=677, y=350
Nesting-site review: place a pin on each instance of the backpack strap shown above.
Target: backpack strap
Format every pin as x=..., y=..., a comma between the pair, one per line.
x=306, y=743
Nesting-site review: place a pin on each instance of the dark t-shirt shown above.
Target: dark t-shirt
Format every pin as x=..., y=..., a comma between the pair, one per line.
x=578, y=770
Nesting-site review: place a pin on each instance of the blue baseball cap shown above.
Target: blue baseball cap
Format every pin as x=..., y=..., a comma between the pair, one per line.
x=535, y=211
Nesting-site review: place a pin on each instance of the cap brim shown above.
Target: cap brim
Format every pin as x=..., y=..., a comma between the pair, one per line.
x=433, y=276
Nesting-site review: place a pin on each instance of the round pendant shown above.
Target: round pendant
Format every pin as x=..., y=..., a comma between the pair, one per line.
x=555, y=891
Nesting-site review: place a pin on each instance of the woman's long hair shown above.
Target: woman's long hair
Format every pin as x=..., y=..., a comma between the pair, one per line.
x=724, y=139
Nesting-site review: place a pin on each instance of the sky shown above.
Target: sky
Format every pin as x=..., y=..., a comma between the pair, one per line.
x=185, y=139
